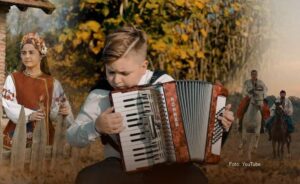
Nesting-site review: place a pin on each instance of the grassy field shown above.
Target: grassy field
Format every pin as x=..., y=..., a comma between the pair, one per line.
x=233, y=168
x=236, y=169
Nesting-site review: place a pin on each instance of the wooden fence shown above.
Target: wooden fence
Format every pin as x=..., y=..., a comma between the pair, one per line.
x=40, y=158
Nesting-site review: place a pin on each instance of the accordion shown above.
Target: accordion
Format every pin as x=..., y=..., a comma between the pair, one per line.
x=170, y=122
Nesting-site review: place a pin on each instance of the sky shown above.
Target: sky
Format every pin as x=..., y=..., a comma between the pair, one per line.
x=282, y=59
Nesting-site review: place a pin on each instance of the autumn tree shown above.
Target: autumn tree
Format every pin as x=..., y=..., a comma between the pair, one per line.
x=190, y=39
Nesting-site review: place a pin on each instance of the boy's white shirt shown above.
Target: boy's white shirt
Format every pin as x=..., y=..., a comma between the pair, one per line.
x=82, y=131
x=12, y=107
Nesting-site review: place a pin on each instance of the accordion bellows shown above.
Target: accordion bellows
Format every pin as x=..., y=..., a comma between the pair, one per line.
x=170, y=122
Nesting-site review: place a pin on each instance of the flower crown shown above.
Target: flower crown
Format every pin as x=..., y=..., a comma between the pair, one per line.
x=36, y=41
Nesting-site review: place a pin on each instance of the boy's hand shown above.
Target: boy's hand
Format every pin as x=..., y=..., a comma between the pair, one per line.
x=227, y=118
x=109, y=122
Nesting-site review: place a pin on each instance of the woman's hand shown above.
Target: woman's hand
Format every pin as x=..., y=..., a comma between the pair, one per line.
x=64, y=110
x=36, y=116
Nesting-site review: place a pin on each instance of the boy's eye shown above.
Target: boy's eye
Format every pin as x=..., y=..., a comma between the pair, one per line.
x=125, y=73
x=111, y=72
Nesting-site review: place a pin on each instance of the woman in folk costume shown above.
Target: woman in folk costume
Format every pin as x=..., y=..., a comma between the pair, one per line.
x=26, y=87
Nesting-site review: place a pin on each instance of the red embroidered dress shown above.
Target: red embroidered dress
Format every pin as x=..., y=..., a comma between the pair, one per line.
x=21, y=89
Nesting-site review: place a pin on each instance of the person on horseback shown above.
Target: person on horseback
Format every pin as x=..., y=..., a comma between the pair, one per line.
x=287, y=107
x=248, y=91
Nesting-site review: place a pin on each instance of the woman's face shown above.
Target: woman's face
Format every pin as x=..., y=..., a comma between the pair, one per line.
x=30, y=56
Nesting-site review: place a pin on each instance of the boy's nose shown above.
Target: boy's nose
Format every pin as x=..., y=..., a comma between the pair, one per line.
x=117, y=79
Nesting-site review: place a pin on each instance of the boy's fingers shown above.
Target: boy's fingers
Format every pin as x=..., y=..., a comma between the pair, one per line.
x=118, y=130
x=108, y=110
x=228, y=107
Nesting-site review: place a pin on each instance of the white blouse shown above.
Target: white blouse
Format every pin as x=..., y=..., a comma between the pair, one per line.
x=12, y=107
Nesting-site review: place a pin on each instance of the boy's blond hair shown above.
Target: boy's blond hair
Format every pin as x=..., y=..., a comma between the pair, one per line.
x=124, y=40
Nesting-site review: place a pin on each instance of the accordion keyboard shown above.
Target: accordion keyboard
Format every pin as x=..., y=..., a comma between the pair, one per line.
x=141, y=140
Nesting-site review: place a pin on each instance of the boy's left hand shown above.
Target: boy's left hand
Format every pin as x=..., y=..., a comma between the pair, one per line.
x=227, y=118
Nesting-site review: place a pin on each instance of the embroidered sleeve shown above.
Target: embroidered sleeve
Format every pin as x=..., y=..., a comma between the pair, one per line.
x=58, y=98
x=10, y=103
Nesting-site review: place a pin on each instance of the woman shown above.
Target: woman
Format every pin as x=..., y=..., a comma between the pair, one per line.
x=30, y=86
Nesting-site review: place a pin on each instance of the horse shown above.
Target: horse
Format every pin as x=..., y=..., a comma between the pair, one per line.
x=279, y=133
x=251, y=123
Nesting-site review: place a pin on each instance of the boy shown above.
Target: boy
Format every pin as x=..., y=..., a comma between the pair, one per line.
x=125, y=61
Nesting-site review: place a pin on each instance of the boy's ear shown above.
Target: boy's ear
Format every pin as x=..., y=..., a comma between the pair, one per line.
x=145, y=64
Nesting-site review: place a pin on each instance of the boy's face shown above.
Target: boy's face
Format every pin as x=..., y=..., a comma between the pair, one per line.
x=127, y=71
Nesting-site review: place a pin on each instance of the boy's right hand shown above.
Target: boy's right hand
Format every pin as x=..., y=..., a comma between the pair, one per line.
x=109, y=122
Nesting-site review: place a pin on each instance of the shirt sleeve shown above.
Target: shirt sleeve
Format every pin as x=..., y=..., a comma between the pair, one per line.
x=83, y=131
x=57, y=97
x=164, y=78
x=9, y=101
x=289, y=107
x=265, y=88
x=245, y=90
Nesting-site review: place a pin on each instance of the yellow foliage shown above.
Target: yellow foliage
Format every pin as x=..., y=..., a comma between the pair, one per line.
x=114, y=21
x=203, y=32
x=160, y=46
x=178, y=65
x=173, y=51
x=191, y=63
x=95, y=48
x=236, y=6
x=183, y=54
x=138, y=19
x=93, y=25
x=99, y=35
x=237, y=22
x=152, y=5
x=62, y=38
x=59, y=48
x=199, y=5
x=94, y=1
x=76, y=42
x=83, y=35
x=200, y=54
x=216, y=8
x=184, y=37
x=180, y=34
x=179, y=2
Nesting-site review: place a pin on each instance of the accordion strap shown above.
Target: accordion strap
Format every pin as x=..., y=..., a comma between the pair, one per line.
x=156, y=75
x=105, y=138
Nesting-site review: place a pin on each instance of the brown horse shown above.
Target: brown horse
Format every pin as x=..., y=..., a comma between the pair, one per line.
x=279, y=133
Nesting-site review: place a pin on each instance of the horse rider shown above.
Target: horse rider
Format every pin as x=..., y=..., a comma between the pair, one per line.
x=287, y=107
x=249, y=88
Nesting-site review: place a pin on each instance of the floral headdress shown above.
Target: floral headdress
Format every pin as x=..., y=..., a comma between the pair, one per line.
x=36, y=41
